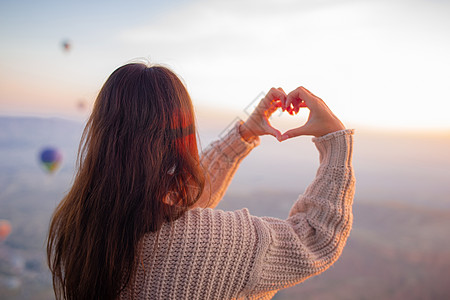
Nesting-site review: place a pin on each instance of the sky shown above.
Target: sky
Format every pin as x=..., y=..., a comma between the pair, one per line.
x=380, y=64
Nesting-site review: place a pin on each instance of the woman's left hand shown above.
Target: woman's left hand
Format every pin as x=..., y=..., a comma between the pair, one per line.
x=258, y=122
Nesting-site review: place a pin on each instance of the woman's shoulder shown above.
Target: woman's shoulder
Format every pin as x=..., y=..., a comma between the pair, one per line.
x=209, y=221
x=201, y=213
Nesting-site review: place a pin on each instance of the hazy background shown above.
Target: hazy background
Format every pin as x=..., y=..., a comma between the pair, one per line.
x=382, y=66
x=377, y=63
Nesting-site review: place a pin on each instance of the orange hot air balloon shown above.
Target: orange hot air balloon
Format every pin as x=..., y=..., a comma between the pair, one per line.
x=5, y=229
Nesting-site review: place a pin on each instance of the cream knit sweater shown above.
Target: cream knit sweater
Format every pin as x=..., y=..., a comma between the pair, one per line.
x=215, y=254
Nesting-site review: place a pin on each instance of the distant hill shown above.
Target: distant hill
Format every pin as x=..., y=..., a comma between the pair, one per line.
x=398, y=248
x=395, y=251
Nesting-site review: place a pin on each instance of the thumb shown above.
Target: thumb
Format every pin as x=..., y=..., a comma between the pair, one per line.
x=302, y=130
x=274, y=132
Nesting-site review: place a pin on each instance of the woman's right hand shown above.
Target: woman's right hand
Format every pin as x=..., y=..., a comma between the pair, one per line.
x=258, y=122
x=321, y=120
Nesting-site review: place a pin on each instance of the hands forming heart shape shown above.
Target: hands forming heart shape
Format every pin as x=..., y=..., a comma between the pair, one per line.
x=321, y=119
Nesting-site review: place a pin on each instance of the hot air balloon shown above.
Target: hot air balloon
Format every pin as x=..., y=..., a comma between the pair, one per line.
x=5, y=229
x=51, y=159
x=82, y=105
x=66, y=45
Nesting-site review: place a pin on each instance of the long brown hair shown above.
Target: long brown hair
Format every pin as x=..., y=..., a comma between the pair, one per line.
x=138, y=167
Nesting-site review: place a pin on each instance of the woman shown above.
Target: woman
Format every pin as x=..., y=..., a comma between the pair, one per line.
x=138, y=221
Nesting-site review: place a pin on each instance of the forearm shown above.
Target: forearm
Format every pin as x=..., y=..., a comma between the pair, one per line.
x=220, y=161
x=319, y=223
x=324, y=211
x=334, y=183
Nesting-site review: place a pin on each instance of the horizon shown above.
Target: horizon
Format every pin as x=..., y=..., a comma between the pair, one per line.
x=412, y=168
x=216, y=120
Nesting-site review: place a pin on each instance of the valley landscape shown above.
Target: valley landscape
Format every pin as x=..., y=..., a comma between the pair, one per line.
x=399, y=247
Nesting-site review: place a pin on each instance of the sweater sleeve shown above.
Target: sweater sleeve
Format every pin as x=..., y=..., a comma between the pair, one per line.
x=220, y=161
x=313, y=236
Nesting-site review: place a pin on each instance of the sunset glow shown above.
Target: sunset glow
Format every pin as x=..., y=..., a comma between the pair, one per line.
x=378, y=64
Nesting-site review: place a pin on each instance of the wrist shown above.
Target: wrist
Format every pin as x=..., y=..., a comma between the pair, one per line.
x=246, y=133
x=335, y=148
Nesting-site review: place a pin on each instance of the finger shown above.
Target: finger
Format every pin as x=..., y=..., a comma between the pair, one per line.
x=273, y=107
x=299, y=104
x=297, y=108
x=272, y=101
x=308, y=97
x=292, y=98
x=290, y=110
x=287, y=102
x=275, y=94
x=282, y=104
x=303, y=95
x=312, y=94
x=302, y=130
x=296, y=105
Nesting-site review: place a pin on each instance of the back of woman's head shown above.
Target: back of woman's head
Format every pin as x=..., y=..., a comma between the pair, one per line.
x=143, y=126
x=138, y=167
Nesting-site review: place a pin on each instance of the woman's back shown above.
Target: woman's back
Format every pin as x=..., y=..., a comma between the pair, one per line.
x=215, y=254
x=205, y=254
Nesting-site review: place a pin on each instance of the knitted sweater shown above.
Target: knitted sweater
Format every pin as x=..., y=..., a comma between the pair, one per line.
x=215, y=254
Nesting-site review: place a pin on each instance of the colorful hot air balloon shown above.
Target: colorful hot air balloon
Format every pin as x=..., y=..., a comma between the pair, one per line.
x=5, y=229
x=51, y=159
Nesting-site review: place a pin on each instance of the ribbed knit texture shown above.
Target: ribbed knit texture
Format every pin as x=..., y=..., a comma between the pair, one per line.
x=215, y=254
